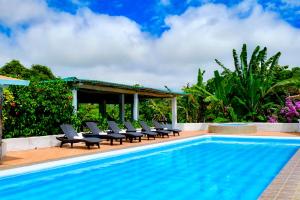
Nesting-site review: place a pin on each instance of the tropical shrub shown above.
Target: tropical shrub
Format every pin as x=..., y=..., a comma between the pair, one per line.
x=36, y=73
x=254, y=90
x=38, y=109
x=191, y=107
x=291, y=111
x=158, y=109
x=88, y=112
x=253, y=80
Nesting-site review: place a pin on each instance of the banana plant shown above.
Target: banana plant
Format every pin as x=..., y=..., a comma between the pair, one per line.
x=255, y=79
x=192, y=106
x=212, y=105
x=220, y=100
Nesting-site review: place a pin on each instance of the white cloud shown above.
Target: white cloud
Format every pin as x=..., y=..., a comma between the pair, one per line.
x=95, y=46
x=84, y=40
x=211, y=31
x=13, y=12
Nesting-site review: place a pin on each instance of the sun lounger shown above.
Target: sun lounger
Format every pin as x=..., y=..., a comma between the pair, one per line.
x=130, y=128
x=160, y=126
x=145, y=127
x=113, y=126
x=96, y=132
x=71, y=136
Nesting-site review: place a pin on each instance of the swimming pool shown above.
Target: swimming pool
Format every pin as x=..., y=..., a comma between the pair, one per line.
x=202, y=168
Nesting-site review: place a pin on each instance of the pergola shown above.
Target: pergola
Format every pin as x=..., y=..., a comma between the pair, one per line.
x=102, y=93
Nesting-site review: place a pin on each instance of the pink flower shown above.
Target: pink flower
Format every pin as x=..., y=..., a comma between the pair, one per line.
x=291, y=110
x=297, y=105
x=272, y=119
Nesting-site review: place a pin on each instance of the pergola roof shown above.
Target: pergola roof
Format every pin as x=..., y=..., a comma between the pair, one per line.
x=108, y=87
x=6, y=81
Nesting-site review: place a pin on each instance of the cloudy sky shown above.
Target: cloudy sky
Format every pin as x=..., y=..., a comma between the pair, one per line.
x=150, y=42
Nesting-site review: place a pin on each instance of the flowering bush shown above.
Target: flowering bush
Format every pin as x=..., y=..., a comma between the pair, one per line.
x=273, y=119
x=37, y=110
x=291, y=111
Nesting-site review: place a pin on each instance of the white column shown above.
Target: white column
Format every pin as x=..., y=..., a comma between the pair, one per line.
x=75, y=100
x=122, y=107
x=174, y=112
x=135, y=106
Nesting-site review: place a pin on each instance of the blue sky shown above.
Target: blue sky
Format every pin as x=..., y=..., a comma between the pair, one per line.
x=150, y=14
x=148, y=42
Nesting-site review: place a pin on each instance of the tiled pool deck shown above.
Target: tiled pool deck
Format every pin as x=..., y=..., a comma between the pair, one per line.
x=285, y=186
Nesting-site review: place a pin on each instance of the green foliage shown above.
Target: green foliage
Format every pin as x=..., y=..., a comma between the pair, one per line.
x=191, y=107
x=15, y=69
x=254, y=90
x=38, y=109
x=254, y=79
x=113, y=112
x=136, y=124
x=158, y=109
x=40, y=72
x=7, y=104
x=88, y=112
x=36, y=73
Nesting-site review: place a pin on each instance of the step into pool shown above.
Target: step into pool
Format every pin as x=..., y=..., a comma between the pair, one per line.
x=202, y=168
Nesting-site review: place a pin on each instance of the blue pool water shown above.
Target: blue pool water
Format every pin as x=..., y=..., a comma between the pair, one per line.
x=232, y=124
x=211, y=168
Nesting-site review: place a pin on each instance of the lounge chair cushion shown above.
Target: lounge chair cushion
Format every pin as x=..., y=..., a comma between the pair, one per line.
x=102, y=133
x=79, y=135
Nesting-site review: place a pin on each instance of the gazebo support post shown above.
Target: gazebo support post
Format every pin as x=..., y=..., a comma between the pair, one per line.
x=102, y=108
x=122, y=108
x=174, y=112
x=135, y=107
x=74, y=100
